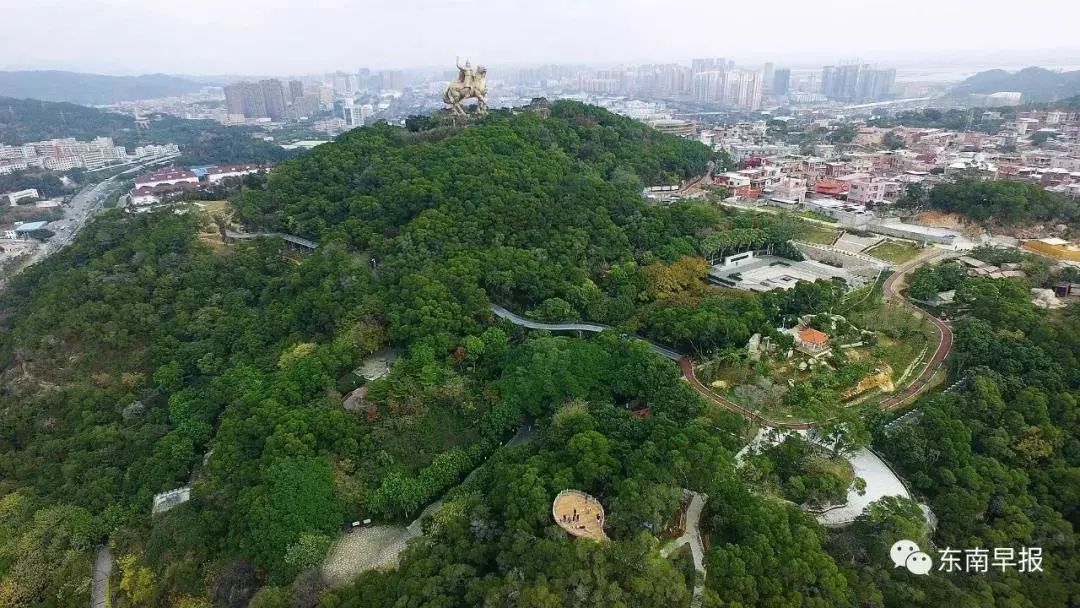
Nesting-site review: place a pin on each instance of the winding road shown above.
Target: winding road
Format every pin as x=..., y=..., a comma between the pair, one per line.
x=945, y=334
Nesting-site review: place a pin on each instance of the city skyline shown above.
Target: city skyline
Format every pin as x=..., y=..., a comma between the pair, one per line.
x=270, y=39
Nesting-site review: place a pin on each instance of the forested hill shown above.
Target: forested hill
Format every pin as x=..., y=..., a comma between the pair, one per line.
x=516, y=208
x=1037, y=84
x=201, y=141
x=150, y=355
x=91, y=89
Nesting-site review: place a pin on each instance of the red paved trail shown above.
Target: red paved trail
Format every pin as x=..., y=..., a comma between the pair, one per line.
x=944, y=347
x=688, y=374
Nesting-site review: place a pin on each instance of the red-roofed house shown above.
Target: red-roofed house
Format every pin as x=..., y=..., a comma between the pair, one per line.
x=145, y=195
x=811, y=341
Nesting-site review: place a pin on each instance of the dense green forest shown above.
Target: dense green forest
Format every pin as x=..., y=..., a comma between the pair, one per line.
x=998, y=201
x=146, y=356
x=200, y=141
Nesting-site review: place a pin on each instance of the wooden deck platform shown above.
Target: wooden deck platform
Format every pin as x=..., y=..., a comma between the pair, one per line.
x=579, y=514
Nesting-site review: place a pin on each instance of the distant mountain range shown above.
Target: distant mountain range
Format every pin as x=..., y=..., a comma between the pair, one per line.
x=91, y=89
x=1036, y=84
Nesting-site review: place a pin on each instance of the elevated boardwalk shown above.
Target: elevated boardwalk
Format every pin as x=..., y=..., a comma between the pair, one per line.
x=516, y=319
x=294, y=241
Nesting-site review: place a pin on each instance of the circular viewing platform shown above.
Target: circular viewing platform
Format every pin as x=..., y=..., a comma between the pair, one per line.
x=579, y=514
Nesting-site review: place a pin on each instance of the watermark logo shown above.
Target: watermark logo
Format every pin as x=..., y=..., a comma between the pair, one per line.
x=981, y=561
x=906, y=553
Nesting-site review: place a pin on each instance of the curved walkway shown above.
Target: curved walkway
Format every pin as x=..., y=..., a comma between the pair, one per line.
x=516, y=319
x=881, y=480
x=945, y=335
x=891, y=290
x=692, y=536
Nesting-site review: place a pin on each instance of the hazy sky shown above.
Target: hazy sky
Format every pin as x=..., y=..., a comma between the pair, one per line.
x=310, y=36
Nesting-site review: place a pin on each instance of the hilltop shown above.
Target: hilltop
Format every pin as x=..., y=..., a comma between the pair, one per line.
x=1036, y=84
x=144, y=358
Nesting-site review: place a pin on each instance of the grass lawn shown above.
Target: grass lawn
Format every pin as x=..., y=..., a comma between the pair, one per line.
x=817, y=216
x=896, y=252
x=815, y=233
x=840, y=467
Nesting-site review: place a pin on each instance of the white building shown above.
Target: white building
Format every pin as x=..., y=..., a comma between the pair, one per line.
x=848, y=214
x=13, y=198
x=220, y=172
x=790, y=190
x=872, y=190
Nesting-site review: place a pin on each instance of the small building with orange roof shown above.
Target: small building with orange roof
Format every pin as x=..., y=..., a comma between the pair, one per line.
x=811, y=341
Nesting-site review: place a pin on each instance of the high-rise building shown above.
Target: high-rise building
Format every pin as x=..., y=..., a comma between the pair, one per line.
x=274, y=94
x=708, y=64
x=767, y=78
x=296, y=90
x=875, y=85
x=234, y=98
x=828, y=80
x=254, y=100
x=841, y=82
x=781, y=82
x=849, y=82
x=393, y=79
x=708, y=87
x=742, y=89
x=856, y=82
x=352, y=113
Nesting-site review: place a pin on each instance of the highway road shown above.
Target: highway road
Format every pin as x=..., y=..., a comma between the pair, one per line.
x=78, y=211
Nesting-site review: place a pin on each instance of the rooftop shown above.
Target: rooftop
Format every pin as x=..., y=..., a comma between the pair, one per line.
x=30, y=226
x=810, y=335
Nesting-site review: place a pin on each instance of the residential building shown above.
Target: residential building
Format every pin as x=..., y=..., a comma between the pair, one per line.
x=296, y=90
x=781, y=82
x=166, y=176
x=274, y=96
x=13, y=198
x=220, y=172
x=790, y=190
x=869, y=190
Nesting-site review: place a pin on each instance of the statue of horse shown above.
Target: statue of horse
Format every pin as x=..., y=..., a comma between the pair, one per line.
x=467, y=86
